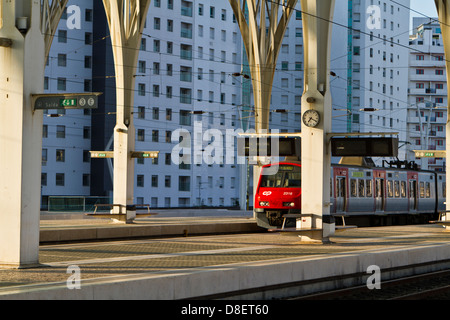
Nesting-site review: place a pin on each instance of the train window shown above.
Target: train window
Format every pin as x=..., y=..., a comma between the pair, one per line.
x=286, y=177
x=353, y=187
x=342, y=187
x=403, y=189
x=361, y=188
x=397, y=189
x=427, y=190
x=292, y=180
x=369, y=188
x=444, y=189
x=272, y=181
x=389, y=189
x=422, y=190
x=379, y=189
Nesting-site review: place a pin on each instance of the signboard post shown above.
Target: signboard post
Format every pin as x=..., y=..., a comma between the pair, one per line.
x=430, y=153
x=65, y=101
x=134, y=154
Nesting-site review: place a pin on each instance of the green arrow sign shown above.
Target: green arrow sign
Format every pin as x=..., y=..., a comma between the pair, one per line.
x=68, y=102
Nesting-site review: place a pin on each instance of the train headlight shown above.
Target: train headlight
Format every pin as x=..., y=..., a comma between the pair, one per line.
x=264, y=203
x=288, y=204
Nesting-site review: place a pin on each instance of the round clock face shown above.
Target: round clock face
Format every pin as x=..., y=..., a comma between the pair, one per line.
x=311, y=118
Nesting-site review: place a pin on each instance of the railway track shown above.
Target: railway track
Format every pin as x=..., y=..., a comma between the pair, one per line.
x=432, y=286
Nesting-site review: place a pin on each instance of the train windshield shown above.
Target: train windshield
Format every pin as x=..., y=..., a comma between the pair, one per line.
x=288, y=176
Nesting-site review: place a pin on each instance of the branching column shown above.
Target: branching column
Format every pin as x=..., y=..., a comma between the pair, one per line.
x=126, y=19
x=262, y=44
x=443, y=8
x=316, y=157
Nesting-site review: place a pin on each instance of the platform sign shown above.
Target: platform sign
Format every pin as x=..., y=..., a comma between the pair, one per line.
x=430, y=153
x=145, y=154
x=102, y=154
x=364, y=147
x=65, y=101
x=285, y=147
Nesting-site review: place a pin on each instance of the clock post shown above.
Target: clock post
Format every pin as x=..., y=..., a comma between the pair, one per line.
x=316, y=116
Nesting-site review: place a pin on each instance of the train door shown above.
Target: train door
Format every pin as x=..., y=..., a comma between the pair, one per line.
x=340, y=180
x=341, y=194
x=380, y=183
x=412, y=194
x=379, y=194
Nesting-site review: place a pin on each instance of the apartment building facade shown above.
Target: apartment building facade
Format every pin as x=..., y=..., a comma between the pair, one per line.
x=378, y=68
x=190, y=80
x=427, y=93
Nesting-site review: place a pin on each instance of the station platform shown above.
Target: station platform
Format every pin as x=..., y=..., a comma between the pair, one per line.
x=244, y=265
x=63, y=227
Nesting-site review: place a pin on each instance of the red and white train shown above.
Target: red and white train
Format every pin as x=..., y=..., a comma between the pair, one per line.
x=364, y=195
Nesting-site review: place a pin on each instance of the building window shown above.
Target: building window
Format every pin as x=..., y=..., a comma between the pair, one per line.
x=62, y=84
x=140, y=180
x=141, y=112
x=44, y=157
x=86, y=132
x=155, y=135
x=86, y=180
x=167, y=180
x=141, y=134
x=184, y=183
x=61, y=132
x=59, y=179
x=141, y=89
x=155, y=181
x=62, y=60
x=185, y=118
x=62, y=36
x=60, y=155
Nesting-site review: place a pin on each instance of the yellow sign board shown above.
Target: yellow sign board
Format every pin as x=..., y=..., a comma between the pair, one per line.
x=430, y=153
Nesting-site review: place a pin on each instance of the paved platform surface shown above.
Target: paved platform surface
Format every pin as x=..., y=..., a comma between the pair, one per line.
x=63, y=227
x=201, y=266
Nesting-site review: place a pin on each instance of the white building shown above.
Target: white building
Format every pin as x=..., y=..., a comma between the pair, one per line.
x=427, y=99
x=189, y=77
x=378, y=79
x=66, y=166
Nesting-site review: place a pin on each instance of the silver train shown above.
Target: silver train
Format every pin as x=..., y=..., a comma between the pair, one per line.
x=387, y=192
x=364, y=195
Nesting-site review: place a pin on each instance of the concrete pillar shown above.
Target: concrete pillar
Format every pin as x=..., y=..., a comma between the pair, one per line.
x=126, y=21
x=316, y=154
x=262, y=52
x=21, y=74
x=443, y=9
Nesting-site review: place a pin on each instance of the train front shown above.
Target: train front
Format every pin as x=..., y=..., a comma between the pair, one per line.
x=278, y=193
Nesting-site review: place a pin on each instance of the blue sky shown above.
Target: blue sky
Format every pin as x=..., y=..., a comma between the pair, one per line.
x=424, y=6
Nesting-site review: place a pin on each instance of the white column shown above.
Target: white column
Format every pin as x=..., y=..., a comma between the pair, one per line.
x=21, y=74
x=126, y=21
x=316, y=155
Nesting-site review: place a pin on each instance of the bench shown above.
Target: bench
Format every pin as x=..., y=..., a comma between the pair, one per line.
x=301, y=215
x=441, y=222
x=344, y=226
x=122, y=215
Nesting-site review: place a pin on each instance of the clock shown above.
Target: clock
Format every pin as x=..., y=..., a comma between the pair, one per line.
x=311, y=118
